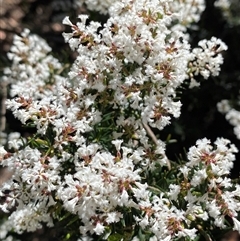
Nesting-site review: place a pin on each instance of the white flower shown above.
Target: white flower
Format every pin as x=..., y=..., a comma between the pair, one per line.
x=117, y=144
x=198, y=177
x=213, y=209
x=124, y=79
x=225, y=4
x=236, y=224
x=99, y=229
x=191, y=233
x=135, y=239
x=29, y=219
x=113, y=217
x=207, y=58
x=184, y=170
x=3, y=152
x=85, y=238
x=14, y=140
x=67, y=21
x=220, y=221
x=174, y=191
x=154, y=238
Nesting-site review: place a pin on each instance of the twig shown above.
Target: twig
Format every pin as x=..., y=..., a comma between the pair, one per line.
x=154, y=138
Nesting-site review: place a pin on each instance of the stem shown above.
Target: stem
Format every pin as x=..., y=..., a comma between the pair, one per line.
x=154, y=138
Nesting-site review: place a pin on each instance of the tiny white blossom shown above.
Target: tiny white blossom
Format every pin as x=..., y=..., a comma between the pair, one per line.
x=67, y=21
x=99, y=229
x=236, y=224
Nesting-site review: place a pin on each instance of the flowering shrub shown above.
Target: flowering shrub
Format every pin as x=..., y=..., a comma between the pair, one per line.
x=232, y=115
x=230, y=10
x=94, y=165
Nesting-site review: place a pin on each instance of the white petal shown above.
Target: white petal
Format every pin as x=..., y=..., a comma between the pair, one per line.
x=67, y=21
x=236, y=224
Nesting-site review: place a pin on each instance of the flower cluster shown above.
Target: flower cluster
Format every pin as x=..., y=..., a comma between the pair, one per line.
x=232, y=115
x=230, y=10
x=207, y=59
x=199, y=193
x=210, y=193
x=141, y=64
x=94, y=162
x=189, y=11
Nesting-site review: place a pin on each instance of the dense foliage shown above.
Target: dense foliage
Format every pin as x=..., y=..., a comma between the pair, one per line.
x=99, y=164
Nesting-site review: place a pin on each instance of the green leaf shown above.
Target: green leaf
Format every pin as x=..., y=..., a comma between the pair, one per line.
x=115, y=237
x=68, y=236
